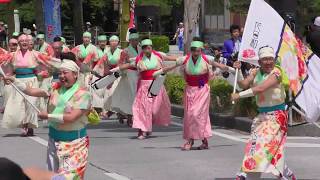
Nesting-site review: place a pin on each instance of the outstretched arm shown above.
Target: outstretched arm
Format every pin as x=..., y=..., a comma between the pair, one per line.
x=36, y=92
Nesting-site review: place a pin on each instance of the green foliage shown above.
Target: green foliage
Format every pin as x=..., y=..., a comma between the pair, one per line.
x=220, y=92
x=165, y=5
x=160, y=43
x=239, y=6
x=175, y=86
x=220, y=95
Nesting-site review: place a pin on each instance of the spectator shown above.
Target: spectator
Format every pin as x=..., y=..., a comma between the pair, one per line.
x=232, y=45
x=207, y=50
x=3, y=35
x=314, y=36
x=179, y=35
x=217, y=53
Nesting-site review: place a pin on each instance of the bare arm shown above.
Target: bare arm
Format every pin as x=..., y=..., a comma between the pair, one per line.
x=65, y=118
x=246, y=83
x=268, y=83
x=35, y=92
x=170, y=58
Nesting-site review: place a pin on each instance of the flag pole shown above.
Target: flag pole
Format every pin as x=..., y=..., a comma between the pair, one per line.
x=235, y=83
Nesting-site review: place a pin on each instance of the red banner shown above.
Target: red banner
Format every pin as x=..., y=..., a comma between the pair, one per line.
x=4, y=1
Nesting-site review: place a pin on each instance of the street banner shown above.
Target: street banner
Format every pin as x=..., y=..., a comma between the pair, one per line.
x=52, y=16
x=265, y=27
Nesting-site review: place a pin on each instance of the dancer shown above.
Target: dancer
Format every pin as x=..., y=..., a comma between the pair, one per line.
x=147, y=109
x=125, y=92
x=114, y=98
x=264, y=152
x=8, y=70
x=86, y=54
x=68, y=107
x=197, y=70
x=19, y=113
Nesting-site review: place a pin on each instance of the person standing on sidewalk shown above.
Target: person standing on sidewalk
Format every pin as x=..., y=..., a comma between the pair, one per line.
x=232, y=45
x=179, y=36
x=264, y=152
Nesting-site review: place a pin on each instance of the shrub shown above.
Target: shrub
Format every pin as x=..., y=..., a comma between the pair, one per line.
x=160, y=43
x=220, y=96
x=175, y=86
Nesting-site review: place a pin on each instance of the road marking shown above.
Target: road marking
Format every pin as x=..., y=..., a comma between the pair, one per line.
x=112, y=175
x=290, y=137
x=116, y=176
x=240, y=139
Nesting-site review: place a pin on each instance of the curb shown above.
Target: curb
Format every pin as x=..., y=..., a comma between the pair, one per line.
x=244, y=123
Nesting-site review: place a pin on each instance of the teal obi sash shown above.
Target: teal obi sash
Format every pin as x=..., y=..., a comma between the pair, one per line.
x=272, y=108
x=59, y=135
x=24, y=72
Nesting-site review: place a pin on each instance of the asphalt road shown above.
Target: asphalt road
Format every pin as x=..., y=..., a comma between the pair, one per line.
x=115, y=154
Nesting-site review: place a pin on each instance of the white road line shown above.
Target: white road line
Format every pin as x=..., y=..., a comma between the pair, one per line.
x=240, y=139
x=114, y=176
x=39, y=140
x=290, y=137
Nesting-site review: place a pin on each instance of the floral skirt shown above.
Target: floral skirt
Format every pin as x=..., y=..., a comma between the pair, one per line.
x=69, y=159
x=265, y=150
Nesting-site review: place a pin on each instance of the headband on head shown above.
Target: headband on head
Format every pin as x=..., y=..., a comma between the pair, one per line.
x=40, y=36
x=114, y=38
x=146, y=42
x=102, y=38
x=133, y=36
x=15, y=34
x=63, y=39
x=70, y=65
x=266, y=51
x=196, y=44
x=86, y=34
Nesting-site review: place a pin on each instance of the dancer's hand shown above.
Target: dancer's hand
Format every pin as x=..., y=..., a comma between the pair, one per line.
x=235, y=97
x=237, y=65
x=157, y=73
x=43, y=115
x=8, y=80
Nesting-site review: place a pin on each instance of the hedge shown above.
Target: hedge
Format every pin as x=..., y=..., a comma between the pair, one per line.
x=160, y=43
x=220, y=96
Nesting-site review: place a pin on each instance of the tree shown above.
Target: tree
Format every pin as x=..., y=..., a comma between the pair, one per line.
x=191, y=21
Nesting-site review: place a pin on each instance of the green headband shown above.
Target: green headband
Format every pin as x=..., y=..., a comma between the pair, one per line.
x=114, y=38
x=102, y=38
x=40, y=36
x=146, y=42
x=63, y=39
x=196, y=44
x=15, y=34
x=86, y=34
x=134, y=36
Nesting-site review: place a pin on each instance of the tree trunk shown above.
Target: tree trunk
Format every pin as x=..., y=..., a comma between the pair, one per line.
x=124, y=22
x=191, y=21
x=10, y=19
x=39, y=16
x=77, y=21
